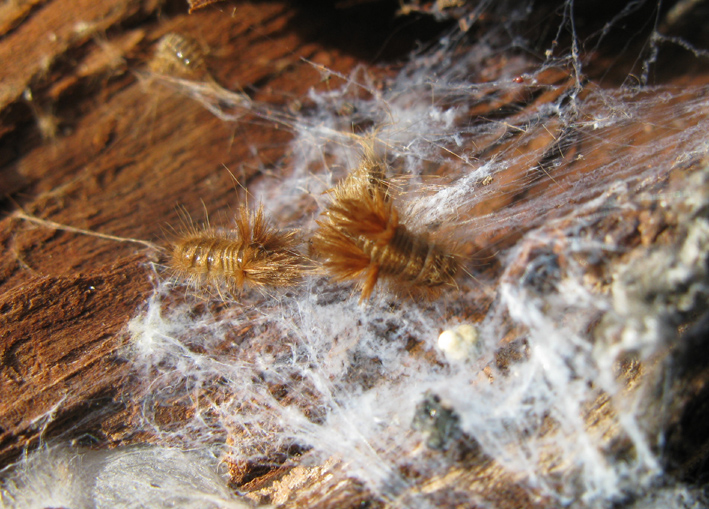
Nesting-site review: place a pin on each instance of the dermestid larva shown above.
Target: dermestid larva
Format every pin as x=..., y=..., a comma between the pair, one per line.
x=180, y=62
x=253, y=254
x=179, y=56
x=361, y=239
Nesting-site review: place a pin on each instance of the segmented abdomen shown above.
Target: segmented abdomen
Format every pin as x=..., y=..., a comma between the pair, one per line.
x=209, y=255
x=411, y=258
x=252, y=253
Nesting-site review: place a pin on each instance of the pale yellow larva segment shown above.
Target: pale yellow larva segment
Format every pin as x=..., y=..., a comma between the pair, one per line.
x=253, y=254
x=179, y=56
x=208, y=258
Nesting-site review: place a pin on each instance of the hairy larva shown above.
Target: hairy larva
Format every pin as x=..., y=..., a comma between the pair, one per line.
x=361, y=239
x=180, y=63
x=253, y=254
x=179, y=56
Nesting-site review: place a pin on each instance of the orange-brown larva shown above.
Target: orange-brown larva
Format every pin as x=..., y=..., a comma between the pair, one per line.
x=361, y=239
x=253, y=254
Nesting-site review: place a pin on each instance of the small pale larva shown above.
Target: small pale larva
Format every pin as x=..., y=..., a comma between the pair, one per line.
x=179, y=56
x=254, y=254
x=180, y=62
x=361, y=239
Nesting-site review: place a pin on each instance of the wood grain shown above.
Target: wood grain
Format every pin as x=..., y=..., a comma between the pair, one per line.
x=96, y=145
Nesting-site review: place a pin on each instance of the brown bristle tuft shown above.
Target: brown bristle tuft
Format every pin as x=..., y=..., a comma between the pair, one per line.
x=253, y=254
x=361, y=239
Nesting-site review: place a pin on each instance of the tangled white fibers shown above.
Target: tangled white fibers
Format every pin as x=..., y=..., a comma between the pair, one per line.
x=567, y=295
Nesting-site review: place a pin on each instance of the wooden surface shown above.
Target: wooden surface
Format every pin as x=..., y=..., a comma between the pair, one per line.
x=95, y=145
x=87, y=141
x=123, y=157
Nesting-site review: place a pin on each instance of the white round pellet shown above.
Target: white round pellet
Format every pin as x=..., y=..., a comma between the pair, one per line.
x=459, y=343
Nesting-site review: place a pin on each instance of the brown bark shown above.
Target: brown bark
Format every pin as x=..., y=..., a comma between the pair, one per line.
x=124, y=154
x=95, y=145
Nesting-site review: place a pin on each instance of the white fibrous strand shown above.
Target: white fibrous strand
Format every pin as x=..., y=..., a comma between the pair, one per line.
x=536, y=367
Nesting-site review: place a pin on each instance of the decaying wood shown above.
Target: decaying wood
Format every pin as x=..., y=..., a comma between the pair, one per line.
x=122, y=145
x=89, y=141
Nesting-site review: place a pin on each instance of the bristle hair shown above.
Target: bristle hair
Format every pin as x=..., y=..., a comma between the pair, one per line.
x=361, y=239
x=253, y=254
